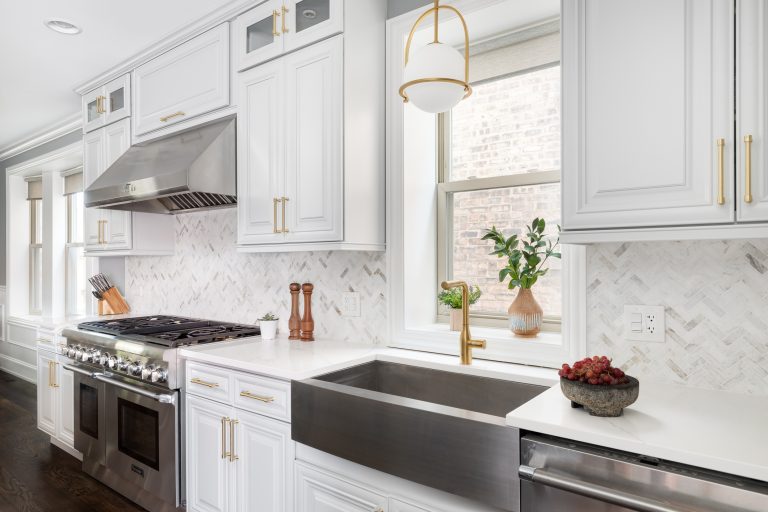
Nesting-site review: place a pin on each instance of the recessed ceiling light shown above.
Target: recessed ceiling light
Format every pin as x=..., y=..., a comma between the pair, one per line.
x=62, y=26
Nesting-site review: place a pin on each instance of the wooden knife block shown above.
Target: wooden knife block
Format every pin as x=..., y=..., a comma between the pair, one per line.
x=113, y=303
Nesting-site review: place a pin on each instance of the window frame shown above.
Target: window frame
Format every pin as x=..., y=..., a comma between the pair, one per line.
x=34, y=246
x=411, y=222
x=70, y=288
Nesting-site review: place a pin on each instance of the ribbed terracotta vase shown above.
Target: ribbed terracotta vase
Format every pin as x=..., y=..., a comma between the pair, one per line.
x=525, y=314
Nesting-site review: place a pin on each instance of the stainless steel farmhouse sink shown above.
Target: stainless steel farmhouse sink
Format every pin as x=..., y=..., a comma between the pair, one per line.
x=438, y=428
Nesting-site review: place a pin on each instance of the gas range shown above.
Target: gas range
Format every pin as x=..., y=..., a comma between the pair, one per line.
x=145, y=348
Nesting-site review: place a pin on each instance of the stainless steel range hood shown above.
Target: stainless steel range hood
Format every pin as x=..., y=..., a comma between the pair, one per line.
x=188, y=171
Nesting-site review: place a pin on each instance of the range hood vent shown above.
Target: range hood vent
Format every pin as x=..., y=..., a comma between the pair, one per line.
x=188, y=171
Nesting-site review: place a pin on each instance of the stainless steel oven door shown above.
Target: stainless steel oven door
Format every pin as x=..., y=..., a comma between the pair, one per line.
x=90, y=425
x=143, y=436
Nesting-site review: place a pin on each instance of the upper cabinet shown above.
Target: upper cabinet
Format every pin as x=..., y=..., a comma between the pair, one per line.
x=647, y=113
x=190, y=80
x=276, y=27
x=107, y=104
x=311, y=140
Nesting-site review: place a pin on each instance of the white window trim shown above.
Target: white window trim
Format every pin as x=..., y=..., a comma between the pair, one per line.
x=551, y=349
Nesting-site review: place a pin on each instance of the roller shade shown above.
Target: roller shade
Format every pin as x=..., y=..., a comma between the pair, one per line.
x=73, y=183
x=34, y=188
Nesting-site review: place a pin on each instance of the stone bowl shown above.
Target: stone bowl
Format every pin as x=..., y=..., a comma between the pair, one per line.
x=606, y=401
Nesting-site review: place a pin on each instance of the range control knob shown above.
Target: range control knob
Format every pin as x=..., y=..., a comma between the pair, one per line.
x=135, y=369
x=78, y=352
x=146, y=372
x=112, y=362
x=123, y=364
x=159, y=375
x=70, y=352
x=103, y=359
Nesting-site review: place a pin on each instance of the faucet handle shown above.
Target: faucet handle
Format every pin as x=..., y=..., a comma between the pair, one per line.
x=476, y=343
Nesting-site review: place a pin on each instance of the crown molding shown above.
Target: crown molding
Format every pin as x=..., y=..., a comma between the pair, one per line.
x=220, y=15
x=70, y=124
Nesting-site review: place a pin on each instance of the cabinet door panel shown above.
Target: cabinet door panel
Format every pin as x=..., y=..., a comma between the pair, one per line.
x=66, y=423
x=93, y=166
x=92, y=107
x=187, y=81
x=308, y=21
x=265, y=464
x=117, y=229
x=314, y=130
x=207, y=470
x=642, y=115
x=118, y=99
x=260, y=158
x=320, y=492
x=46, y=395
x=751, y=115
x=257, y=34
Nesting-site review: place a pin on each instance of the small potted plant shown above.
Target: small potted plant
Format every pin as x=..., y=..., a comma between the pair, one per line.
x=598, y=387
x=268, y=325
x=526, y=263
x=452, y=299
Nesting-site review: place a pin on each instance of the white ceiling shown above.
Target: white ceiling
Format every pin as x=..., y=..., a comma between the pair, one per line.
x=39, y=68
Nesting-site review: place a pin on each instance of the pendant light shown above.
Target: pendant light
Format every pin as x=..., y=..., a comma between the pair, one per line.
x=436, y=76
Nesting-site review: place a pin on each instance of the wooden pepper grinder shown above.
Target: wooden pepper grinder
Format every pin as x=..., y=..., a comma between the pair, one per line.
x=294, y=323
x=307, y=323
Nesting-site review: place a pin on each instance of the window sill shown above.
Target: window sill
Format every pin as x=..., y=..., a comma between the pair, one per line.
x=546, y=349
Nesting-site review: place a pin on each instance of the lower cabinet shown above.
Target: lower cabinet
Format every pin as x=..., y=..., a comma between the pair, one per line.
x=237, y=460
x=318, y=491
x=55, y=399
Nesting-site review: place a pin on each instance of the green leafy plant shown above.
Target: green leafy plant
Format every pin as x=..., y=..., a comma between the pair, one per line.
x=452, y=297
x=268, y=318
x=526, y=256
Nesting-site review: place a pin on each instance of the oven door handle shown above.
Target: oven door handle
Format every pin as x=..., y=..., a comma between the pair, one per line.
x=81, y=371
x=595, y=491
x=160, y=397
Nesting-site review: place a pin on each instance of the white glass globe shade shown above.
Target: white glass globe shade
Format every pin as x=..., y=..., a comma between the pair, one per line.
x=435, y=60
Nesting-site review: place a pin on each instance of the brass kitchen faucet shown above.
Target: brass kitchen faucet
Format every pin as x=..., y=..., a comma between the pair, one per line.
x=465, y=339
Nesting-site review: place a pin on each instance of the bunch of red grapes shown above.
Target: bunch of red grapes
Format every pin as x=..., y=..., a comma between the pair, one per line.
x=594, y=370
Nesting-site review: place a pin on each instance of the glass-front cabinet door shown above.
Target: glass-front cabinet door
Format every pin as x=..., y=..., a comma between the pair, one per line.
x=107, y=104
x=94, y=108
x=258, y=34
x=308, y=21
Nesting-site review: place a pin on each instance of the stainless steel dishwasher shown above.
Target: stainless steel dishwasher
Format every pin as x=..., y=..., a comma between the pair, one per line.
x=558, y=475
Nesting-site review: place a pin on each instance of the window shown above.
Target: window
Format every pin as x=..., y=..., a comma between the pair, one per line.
x=499, y=165
x=35, y=199
x=76, y=289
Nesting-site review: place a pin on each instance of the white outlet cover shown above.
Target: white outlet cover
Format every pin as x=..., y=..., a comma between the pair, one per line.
x=350, y=304
x=644, y=323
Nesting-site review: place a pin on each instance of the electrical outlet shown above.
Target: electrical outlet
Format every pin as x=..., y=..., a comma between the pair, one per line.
x=644, y=323
x=350, y=304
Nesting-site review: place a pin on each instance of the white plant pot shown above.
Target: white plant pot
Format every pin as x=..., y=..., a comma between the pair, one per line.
x=268, y=329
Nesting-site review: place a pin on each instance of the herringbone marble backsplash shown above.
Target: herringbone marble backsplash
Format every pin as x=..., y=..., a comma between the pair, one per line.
x=208, y=278
x=716, y=299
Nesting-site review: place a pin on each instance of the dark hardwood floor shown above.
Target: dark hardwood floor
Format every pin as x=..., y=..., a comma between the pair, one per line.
x=36, y=476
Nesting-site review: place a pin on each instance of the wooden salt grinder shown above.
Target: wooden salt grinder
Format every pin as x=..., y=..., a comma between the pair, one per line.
x=294, y=323
x=307, y=323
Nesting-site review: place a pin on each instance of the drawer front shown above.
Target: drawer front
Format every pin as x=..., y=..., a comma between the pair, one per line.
x=189, y=80
x=208, y=382
x=263, y=395
x=22, y=334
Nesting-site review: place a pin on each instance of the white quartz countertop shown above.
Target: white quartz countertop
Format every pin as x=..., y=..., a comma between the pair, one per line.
x=296, y=360
x=710, y=429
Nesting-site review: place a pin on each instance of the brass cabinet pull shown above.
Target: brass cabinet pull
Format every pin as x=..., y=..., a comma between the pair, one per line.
x=275, y=15
x=232, y=456
x=748, y=168
x=284, y=28
x=171, y=116
x=720, y=171
x=285, y=200
x=104, y=232
x=100, y=109
x=260, y=398
x=224, y=452
x=275, y=200
x=195, y=380
x=52, y=374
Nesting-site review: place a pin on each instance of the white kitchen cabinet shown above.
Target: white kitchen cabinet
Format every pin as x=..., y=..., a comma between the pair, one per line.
x=190, y=80
x=647, y=95
x=237, y=460
x=107, y=104
x=116, y=232
x=65, y=429
x=277, y=27
x=47, y=393
x=320, y=491
x=208, y=467
x=751, y=116
x=311, y=143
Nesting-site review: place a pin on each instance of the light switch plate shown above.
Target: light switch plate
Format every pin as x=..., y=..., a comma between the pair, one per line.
x=644, y=323
x=350, y=304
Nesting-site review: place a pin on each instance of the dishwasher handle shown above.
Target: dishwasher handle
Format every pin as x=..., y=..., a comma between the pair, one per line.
x=595, y=491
